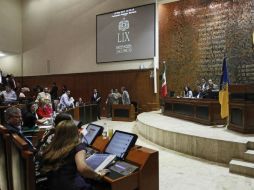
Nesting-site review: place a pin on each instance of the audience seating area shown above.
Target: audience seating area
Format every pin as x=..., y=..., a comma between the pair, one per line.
x=17, y=168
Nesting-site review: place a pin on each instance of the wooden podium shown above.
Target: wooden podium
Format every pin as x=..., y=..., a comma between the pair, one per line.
x=241, y=108
x=86, y=113
x=123, y=112
x=146, y=178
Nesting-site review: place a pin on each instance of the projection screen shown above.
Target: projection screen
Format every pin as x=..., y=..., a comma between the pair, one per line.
x=127, y=34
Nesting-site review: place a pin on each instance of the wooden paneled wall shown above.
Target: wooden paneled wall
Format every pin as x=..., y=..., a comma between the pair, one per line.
x=138, y=82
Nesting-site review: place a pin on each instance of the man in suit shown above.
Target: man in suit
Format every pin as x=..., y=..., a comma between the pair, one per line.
x=13, y=120
x=11, y=81
x=96, y=99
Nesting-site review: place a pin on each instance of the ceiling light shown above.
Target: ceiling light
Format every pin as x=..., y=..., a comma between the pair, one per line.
x=2, y=54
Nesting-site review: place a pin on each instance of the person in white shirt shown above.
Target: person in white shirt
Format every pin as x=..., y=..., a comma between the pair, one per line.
x=45, y=95
x=187, y=92
x=125, y=96
x=66, y=101
x=9, y=94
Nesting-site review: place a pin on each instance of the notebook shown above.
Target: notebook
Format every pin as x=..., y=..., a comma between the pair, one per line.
x=117, y=148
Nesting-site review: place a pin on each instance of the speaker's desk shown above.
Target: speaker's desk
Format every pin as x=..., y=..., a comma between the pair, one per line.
x=146, y=178
x=86, y=113
x=123, y=112
x=204, y=111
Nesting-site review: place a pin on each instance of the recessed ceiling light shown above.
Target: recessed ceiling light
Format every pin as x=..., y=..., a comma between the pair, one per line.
x=2, y=54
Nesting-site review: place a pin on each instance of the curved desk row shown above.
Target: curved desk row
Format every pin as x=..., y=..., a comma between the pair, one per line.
x=204, y=111
x=146, y=178
x=19, y=169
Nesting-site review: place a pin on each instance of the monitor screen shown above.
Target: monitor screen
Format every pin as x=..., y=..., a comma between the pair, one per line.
x=127, y=34
x=92, y=132
x=120, y=143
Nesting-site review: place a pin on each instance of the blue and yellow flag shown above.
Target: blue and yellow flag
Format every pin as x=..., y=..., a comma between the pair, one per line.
x=223, y=94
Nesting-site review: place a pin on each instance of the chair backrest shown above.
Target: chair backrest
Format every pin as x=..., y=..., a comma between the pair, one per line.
x=20, y=164
x=3, y=157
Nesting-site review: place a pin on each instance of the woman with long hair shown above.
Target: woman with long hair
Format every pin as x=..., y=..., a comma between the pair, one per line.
x=64, y=160
x=187, y=92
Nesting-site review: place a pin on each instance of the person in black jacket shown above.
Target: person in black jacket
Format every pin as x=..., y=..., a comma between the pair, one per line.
x=96, y=99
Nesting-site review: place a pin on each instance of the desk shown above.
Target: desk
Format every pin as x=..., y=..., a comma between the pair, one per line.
x=241, y=108
x=123, y=112
x=86, y=113
x=204, y=111
x=147, y=178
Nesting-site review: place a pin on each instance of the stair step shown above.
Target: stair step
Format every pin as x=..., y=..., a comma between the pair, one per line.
x=250, y=145
x=249, y=156
x=241, y=167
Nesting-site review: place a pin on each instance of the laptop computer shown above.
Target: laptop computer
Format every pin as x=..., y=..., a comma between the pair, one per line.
x=117, y=148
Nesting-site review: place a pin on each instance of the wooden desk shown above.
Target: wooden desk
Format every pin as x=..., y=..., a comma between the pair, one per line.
x=241, y=108
x=123, y=112
x=147, y=178
x=204, y=111
x=86, y=113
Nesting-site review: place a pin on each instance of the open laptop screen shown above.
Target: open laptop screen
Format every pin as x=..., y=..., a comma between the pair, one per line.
x=93, y=131
x=120, y=143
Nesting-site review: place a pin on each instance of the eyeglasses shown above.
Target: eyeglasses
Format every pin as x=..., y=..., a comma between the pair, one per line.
x=16, y=116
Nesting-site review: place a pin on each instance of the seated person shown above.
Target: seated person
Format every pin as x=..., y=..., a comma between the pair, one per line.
x=198, y=93
x=203, y=85
x=211, y=86
x=22, y=94
x=187, y=92
x=29, y=116
x=13, y=124
x=49, y=134
x=212, y=90
x=45, y=95
x=9, y=95
x=63, y=161
x=44, y=109
x=79, y=102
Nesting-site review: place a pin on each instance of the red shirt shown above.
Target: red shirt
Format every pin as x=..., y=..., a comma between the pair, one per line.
x=45, y=111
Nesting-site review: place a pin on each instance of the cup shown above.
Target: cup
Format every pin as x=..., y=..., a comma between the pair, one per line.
x=110, y=132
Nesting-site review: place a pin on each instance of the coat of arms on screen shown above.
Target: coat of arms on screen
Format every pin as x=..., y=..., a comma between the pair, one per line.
x=123, y=25
x=123, y=37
